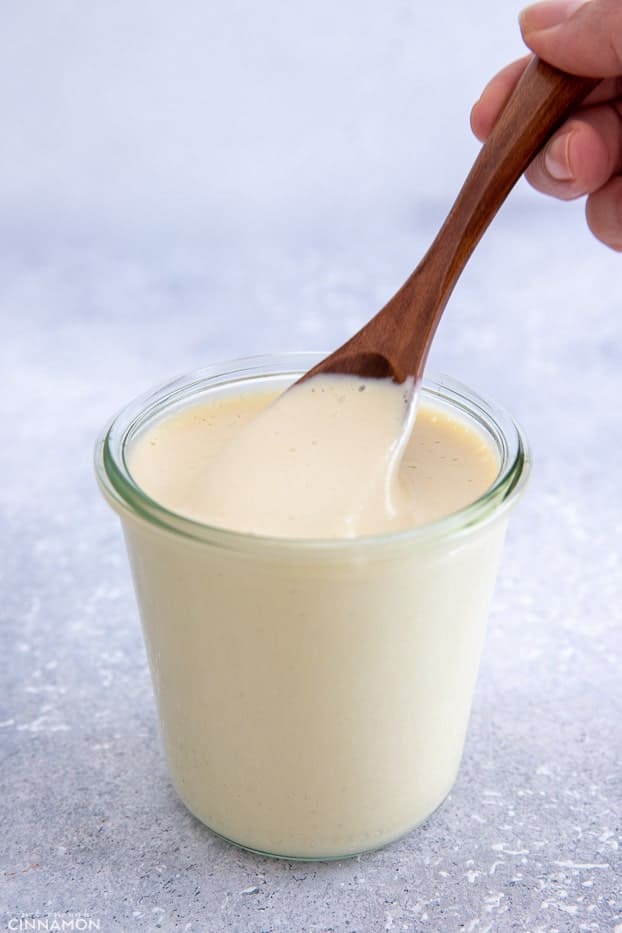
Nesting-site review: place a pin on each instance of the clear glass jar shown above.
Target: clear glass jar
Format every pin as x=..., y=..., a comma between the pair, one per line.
x=313, y=695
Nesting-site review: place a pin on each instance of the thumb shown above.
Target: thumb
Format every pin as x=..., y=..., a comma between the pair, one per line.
x=583, y=37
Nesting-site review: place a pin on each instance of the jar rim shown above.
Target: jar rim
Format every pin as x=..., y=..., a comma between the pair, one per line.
x=127, y=498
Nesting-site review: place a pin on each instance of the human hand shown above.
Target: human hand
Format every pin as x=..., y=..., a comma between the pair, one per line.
x=583, y=37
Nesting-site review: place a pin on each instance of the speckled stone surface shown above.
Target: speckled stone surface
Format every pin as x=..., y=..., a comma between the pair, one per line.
x=91, y=827
x=97, y=307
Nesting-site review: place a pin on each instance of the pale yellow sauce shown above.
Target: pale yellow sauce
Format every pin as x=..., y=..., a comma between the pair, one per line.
x=319, y=462
x=313, y=703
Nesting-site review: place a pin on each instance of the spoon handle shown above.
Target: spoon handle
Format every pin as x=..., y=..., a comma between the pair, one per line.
x=396, y=341
x=541, y=101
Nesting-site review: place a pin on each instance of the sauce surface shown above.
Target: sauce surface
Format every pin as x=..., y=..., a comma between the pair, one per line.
x=319, y=461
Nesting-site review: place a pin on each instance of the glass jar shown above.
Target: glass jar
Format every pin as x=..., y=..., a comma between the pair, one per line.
x=313, y=695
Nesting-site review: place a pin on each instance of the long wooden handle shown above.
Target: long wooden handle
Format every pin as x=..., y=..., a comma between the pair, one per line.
x=396, y=341
x=541, y=101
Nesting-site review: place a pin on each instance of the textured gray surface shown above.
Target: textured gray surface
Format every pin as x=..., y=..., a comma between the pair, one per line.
x=105, y=290
x=529, y=838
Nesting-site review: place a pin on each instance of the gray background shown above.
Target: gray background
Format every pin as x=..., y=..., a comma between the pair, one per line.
x=184, y=183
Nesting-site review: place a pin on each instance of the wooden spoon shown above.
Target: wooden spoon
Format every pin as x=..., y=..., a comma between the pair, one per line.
x=395, y=343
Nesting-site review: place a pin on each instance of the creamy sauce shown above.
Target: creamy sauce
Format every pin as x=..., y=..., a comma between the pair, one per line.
x=313, y=700
x=320, y=461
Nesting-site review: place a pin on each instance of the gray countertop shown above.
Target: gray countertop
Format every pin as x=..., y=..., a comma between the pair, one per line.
x=228, y=205
x=92, y=829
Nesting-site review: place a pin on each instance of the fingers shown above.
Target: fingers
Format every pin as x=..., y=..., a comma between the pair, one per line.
x=582, y=156
x=583, y=37
x=580, y=36
x=603, y=210
x=496, y=93
x=585, y=157
x=485, y=112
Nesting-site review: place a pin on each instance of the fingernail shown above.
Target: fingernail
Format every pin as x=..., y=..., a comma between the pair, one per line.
x=545, y=15
x=556, y=159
